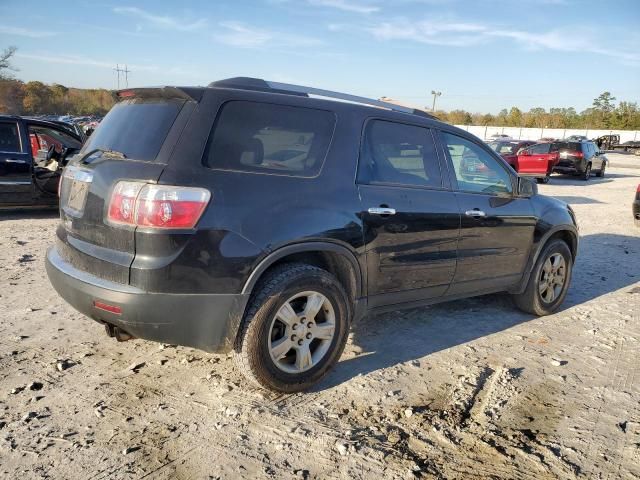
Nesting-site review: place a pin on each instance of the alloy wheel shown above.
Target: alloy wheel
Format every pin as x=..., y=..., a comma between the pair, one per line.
x=552, y=278
x=301, y=332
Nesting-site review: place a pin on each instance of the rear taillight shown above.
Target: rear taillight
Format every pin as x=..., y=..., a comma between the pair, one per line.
x=577, y=154
x=156, y=206
x=122, y=206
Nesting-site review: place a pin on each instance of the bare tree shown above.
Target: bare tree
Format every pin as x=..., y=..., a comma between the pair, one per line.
x=5, y=62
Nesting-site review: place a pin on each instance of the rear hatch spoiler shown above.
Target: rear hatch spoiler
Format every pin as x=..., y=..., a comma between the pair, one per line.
x=193, y=94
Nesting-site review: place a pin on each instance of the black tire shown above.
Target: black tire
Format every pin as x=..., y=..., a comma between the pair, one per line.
x=601, y=172
x=531, y=300
x=251, y=351
x=544, y=180
x=587, y=173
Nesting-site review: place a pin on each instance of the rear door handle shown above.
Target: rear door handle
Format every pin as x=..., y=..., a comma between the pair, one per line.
x=15, y=160
x=475, y=213
x=382, y=211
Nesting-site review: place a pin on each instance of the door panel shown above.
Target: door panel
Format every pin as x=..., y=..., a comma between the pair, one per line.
x=537, y=160
x=496, y=228
x=15, y=165
x=411, y=222
x=414, y=250
x=493, y=249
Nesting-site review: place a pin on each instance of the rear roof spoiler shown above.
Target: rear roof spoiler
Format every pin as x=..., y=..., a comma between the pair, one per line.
x=184, y=93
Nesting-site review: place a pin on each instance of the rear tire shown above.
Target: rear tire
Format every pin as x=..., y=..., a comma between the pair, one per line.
x=282, y=344
x=587, y=173
x=543, y=295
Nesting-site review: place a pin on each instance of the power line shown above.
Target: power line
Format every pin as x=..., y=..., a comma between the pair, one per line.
x=126, y=73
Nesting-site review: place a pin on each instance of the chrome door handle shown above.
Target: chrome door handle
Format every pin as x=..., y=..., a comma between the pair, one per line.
x=475, y=213
x=382, y=211
x=15, y=160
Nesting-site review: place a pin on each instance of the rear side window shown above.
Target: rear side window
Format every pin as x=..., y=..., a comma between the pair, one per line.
x=539, y=148
x=136, y=127
x=267, y=138
x=398, y=154
x=9, y=138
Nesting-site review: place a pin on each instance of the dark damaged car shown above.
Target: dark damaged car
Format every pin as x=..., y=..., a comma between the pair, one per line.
x=252, y=217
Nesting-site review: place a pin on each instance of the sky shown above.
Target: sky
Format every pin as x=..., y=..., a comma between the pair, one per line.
x=483, y=55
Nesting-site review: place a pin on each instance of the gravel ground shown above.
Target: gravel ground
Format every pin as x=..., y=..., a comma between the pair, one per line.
x=467, y=389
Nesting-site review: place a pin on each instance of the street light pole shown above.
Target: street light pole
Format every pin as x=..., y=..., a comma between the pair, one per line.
x=435, y=95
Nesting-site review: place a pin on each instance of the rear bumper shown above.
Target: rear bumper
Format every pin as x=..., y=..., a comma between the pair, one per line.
x=205, y=321
x=569, y=167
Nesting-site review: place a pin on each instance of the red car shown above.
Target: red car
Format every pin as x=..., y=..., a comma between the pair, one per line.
x=508, y=149
x=537, y=161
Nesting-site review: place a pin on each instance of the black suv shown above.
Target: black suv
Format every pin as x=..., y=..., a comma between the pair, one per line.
x=580, y=157
x=254, y=217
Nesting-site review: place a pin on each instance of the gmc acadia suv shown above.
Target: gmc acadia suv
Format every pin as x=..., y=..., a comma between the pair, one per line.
x=258, y=218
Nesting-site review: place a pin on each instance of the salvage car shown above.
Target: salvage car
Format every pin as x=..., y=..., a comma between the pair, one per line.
x=255, y=218
x=538, y=161
x=508, y=149
x=32, y=155
x=580, y=158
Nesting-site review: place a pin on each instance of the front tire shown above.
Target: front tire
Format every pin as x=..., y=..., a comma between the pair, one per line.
x=549, y=281
x=294, y=330
x=600, y=174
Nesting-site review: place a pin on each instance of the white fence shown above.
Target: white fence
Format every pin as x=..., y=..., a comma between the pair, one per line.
x=536, y=133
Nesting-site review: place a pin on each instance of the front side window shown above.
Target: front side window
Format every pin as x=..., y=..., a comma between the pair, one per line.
x=399, y=154
x=9, y=137
x=267, y=138
x=476, y=170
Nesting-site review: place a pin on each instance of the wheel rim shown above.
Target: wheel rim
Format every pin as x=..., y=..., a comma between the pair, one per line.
x=301, y=332
x=552, y=278
x=587, y=174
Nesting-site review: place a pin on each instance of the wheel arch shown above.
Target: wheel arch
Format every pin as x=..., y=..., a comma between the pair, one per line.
x=336, y=259
x=566, y=233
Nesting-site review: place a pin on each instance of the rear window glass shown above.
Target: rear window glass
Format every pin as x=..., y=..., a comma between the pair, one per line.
x=136, y=127
x=573, y=146
x=266, y=138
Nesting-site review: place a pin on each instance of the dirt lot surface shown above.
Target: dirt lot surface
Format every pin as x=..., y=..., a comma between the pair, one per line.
x=468, y=389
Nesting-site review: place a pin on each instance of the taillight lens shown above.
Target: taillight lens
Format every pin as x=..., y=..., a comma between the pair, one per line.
x=122, y=206
x=157, y=206
x=170, y=207
x=578, y=154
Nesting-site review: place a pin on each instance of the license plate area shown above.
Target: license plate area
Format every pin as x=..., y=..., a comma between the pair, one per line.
x=74, y=189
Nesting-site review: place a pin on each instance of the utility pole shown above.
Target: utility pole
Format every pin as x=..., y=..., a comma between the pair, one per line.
x=126, y=73
x=435, y=95
x=117, y=70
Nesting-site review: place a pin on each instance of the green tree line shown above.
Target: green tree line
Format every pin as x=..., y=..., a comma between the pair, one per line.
x=37, y=98
x=602, y=115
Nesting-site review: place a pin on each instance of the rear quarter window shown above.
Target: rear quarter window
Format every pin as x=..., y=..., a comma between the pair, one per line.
x=267, y=138
x=136, y=127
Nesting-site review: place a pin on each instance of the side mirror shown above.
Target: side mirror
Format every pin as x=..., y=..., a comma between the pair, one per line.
x=526, y=187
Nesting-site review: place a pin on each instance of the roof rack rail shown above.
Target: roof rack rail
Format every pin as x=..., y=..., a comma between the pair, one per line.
x=290, y=89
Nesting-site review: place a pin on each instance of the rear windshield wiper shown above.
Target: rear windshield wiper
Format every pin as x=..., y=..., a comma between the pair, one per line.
x=106, y=152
